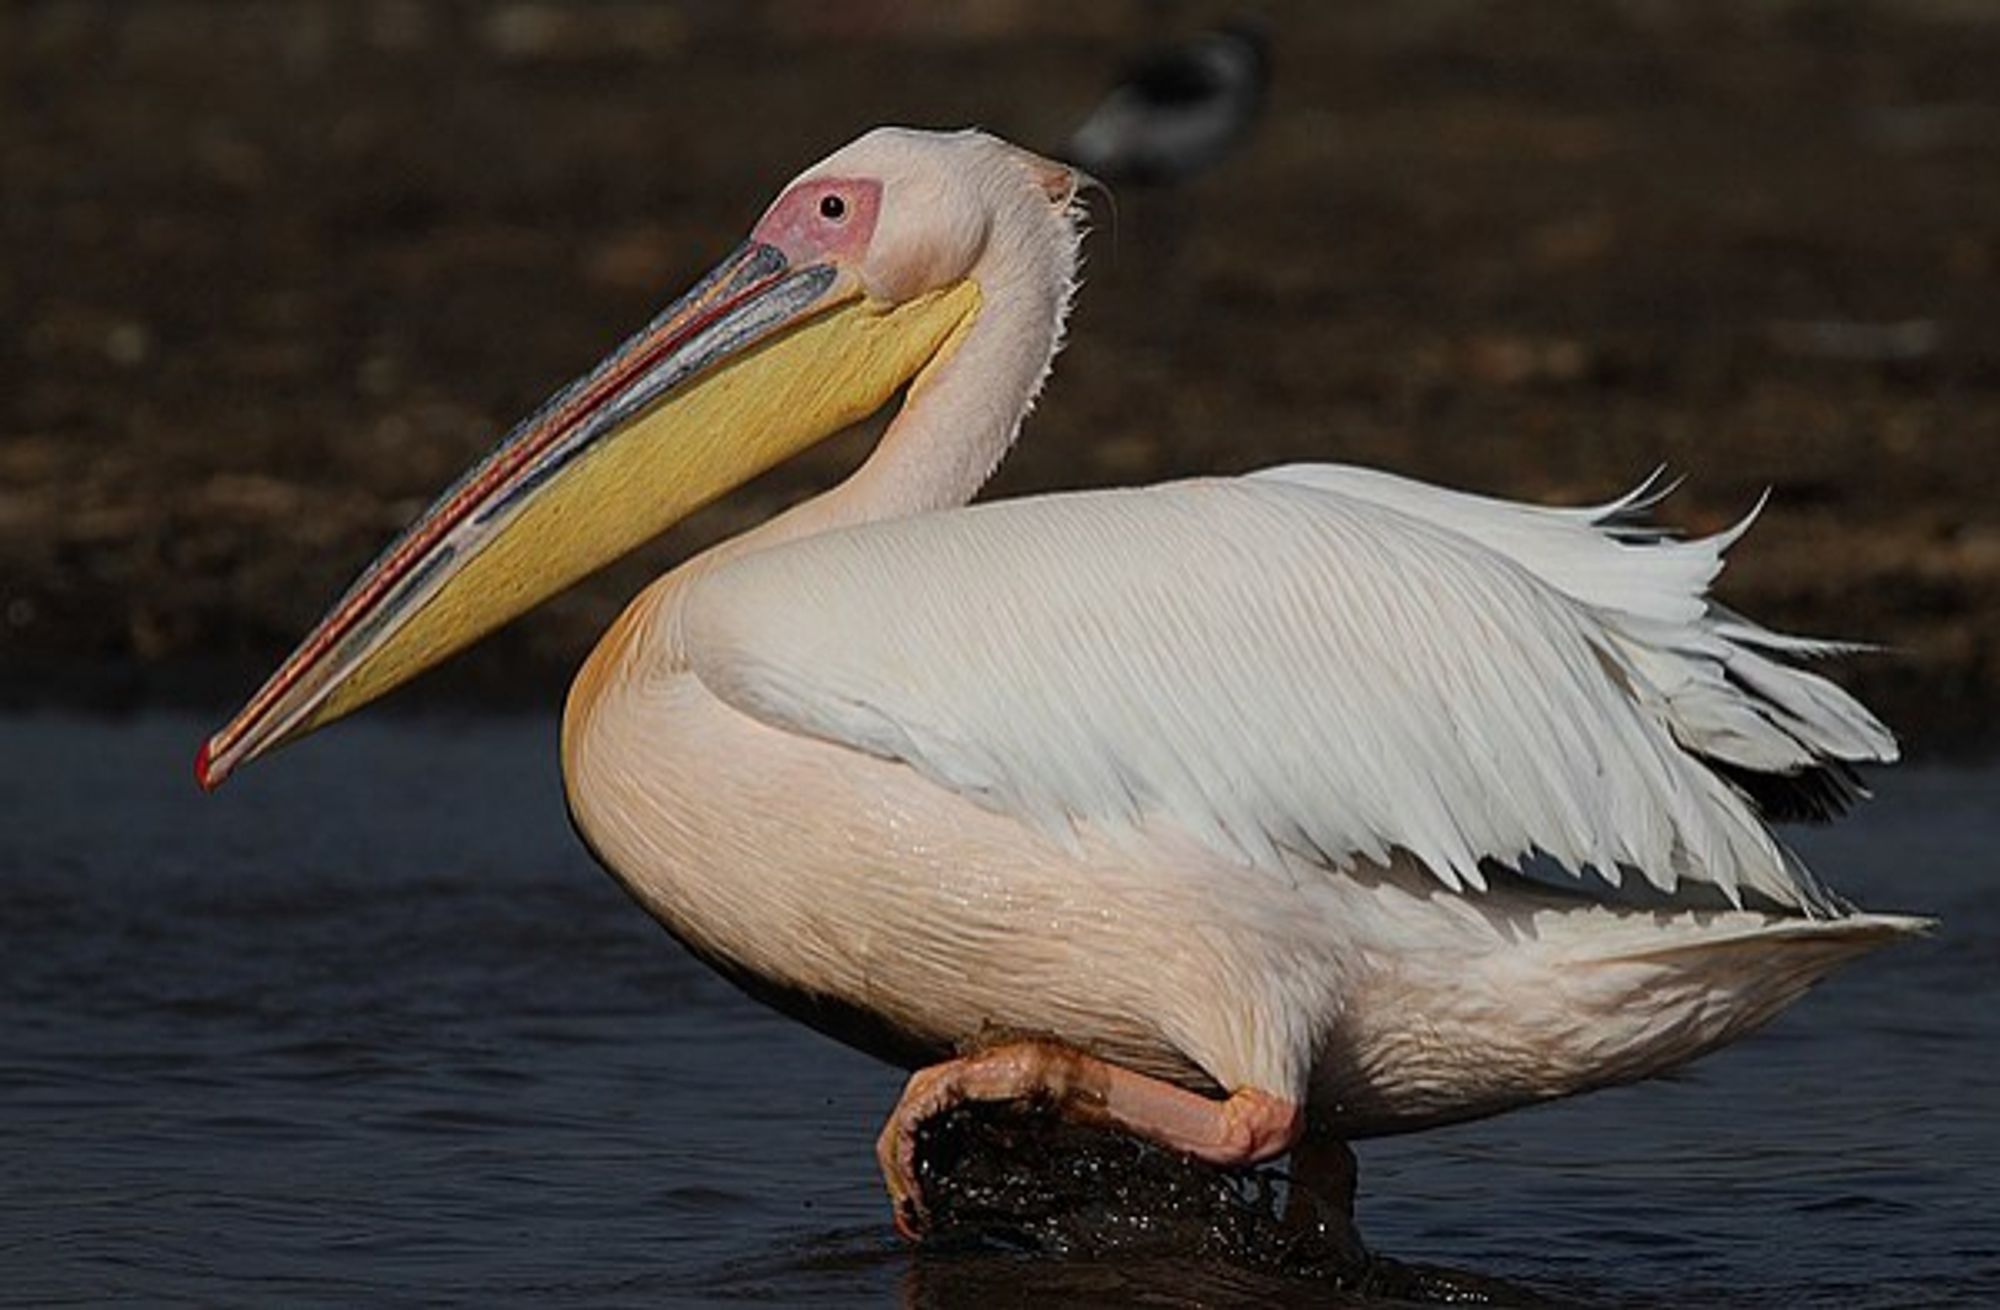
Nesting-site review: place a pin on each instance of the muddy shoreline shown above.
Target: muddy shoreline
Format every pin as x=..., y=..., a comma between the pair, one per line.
x=274, y=274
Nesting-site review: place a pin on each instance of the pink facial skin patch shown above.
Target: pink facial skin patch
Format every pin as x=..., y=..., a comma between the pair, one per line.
x=824, y=219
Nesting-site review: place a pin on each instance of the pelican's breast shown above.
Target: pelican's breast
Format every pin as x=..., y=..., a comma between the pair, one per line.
x=852, y=893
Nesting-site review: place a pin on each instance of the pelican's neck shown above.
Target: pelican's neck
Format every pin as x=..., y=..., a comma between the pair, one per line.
x=962, y=413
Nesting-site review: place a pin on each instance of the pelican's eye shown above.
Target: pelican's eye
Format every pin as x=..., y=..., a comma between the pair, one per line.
x=832, y=208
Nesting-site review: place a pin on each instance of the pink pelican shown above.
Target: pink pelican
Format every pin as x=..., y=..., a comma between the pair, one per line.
x=1211, y=811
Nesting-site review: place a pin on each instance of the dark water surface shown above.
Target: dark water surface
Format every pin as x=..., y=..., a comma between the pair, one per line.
x=369, y=1027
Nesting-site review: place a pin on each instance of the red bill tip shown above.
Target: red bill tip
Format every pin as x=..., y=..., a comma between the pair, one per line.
x=201, y=774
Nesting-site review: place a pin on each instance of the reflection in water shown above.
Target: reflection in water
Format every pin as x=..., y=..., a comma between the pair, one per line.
x=371, y=1025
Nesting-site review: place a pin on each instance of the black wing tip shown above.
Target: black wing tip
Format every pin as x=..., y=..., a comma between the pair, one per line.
x=1819, y=793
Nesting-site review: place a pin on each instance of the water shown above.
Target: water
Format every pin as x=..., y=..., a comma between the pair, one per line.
x=369, y=1027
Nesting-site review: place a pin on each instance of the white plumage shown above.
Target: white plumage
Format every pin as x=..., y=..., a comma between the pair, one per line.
x=1322, y=660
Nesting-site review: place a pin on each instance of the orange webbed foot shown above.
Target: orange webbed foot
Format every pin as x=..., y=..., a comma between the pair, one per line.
x=1248, y=1127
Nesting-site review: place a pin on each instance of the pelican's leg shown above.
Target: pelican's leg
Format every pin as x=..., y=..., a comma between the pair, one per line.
x=1250, y=1126
x=1321, y=1199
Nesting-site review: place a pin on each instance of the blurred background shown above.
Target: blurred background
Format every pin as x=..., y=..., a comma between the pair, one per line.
x=275, y=273
x=369, y=1027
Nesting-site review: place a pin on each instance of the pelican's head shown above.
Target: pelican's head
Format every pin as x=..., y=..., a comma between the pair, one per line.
x=913, y=212
x=860, y=277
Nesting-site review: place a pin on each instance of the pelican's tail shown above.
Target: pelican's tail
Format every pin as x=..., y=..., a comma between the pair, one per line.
x=1843, y=938
x=1688, y=983
x=1548, y=996
x=1769, y=964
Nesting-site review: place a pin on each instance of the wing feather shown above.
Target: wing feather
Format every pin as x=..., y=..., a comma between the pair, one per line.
x=1313, y=661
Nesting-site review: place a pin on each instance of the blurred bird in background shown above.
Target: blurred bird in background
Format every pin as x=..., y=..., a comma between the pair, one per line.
x=1179, y=110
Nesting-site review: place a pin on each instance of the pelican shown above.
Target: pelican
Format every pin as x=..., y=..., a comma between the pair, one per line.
x=1237, y=814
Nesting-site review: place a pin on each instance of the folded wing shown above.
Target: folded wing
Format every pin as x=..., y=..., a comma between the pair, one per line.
x=1319, y=660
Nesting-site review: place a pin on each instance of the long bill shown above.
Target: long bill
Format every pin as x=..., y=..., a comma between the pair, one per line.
x=757, y=362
